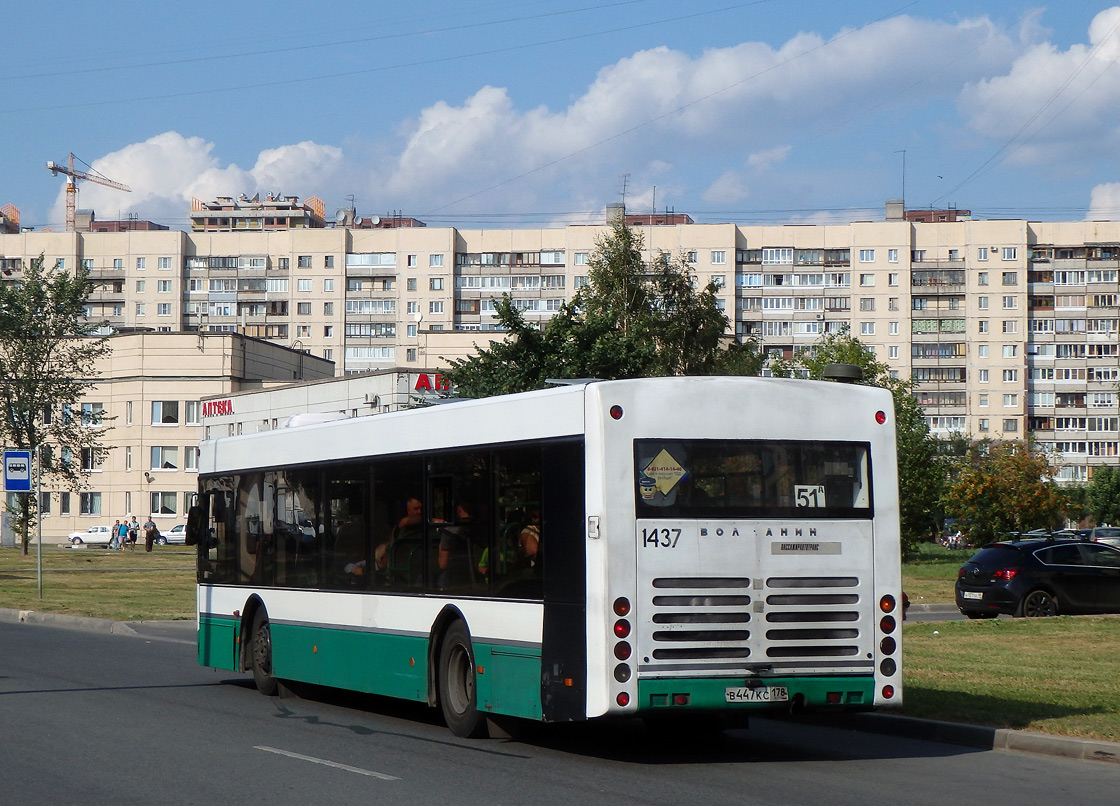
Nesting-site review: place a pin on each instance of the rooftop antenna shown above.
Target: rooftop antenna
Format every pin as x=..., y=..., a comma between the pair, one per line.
x=625, y=183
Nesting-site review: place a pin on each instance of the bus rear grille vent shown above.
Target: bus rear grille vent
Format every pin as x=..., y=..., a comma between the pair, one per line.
x=703, y=619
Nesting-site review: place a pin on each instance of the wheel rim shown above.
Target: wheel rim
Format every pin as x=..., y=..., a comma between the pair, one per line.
x=262, y=650
x=460, y=679
x=1038, y=605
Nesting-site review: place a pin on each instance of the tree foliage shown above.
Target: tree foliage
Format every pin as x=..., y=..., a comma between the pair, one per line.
x=1005, y=487
x=921, y=473
x=1104, y=495
x=633, y=319
x=47, y=355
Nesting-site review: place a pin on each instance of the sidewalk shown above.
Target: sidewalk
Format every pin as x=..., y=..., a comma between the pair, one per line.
x=908, y=727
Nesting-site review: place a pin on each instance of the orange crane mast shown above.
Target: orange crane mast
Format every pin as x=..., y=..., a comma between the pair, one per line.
x=72, y=177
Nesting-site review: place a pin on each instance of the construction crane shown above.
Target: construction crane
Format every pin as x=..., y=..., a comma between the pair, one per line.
x=72, y=177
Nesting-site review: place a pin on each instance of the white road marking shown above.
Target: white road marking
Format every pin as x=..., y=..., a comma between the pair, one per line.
x=326, y=763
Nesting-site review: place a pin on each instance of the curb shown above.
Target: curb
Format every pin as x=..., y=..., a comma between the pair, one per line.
x=983, y=738
x=87, y=623
x=976, y=736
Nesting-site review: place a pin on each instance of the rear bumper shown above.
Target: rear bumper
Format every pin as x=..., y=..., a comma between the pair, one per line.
x=667, y=695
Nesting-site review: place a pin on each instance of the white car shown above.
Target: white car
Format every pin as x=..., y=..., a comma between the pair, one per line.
x=94, y=536
x=176, y=534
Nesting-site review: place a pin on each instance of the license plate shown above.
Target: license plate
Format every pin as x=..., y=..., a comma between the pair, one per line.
x=972, y=595
x=762, y=694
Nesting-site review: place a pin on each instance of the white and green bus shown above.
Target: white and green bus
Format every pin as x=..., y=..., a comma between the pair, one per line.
x=663, y=548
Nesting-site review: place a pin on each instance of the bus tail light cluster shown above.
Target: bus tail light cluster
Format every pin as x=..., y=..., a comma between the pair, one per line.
x=888, y=644
x=622, y=648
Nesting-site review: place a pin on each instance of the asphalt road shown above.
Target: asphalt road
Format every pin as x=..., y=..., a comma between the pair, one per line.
x=95, y=718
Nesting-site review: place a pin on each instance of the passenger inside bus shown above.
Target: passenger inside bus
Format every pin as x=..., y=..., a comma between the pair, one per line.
x=458, y=555
x=400, y=558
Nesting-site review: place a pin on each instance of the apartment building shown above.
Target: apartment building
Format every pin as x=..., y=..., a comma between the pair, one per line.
x=1005, y=326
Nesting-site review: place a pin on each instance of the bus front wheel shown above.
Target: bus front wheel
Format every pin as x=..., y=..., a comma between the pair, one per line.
x=260, y=654
x=457, y=694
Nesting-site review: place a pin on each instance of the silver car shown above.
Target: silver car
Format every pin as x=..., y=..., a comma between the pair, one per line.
x=1106, y=534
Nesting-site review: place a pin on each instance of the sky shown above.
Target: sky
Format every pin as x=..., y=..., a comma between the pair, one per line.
x=534, y=113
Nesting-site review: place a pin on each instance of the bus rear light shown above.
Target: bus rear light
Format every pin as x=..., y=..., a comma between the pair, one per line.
x=888, y=667
x=622, y=606
x=887, y=603
x=622, y=650
x=834, y=697
x=887, y=624
x=621, y=628
x=622, y=673
x=888, y=692
x=880, y=417
x=616, y=412
x=682, y=699
x=622, y=699
x=888, y=645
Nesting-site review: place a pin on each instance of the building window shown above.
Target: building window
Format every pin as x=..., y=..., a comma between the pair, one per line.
x=435, y=261
x=982, y=376
x=410, y=261
x=982, y=278
x=328, y=309
x=917, y=255
x=303, y=285
x=328, y=261
x=954, y=254
x=303, y=308
x=282, y=263
x=1009, y=253
x=141, y=263
x=165, y=457
x=163, y=286
x=1011, y=278
x=163, y=309
x=413, y=307
x=983, y=424
x=89, y=503
x=410, y=284
x=867, y=279
x=719, y=257
x=328, y=284
x=140, y=286
x=1010, y=425
x=435, y=284
x=353, y=284
x=1010, y=401
x=1009, y=303
x=982, y=351
x=303, y=332
x=892, y=304
x=163, y=503
x=165, y=412
x=1010, y=350
x=892, y=351
x=867, y=303
x=92, y=414
x=983, y=401
x=982, y=326
x=866, y=255
x=435, y=307
x=328, y=331
x=580, y=258
x=1010, y=326
x=192, y=411
x=892, y=279
x=867, y=328
x=982, y=303
x=410, y=354
x=982, y=253
x=410, y=331
x=892, y=328
x=328, y=354
x=1010, y=375
x=118, y=263
x=303, y=262
x=892, y=256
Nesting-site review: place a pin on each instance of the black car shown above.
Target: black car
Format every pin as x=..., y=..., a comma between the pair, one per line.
x=1040, y=577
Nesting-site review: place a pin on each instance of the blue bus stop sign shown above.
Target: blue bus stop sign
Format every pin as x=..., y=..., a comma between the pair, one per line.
x=17, y=471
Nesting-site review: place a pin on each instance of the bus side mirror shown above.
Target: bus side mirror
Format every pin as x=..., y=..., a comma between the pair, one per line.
x=196, y=522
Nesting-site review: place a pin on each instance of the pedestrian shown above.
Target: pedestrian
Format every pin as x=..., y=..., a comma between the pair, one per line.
x=150, y=534
x=122, y=535
x=115, y=536
x=133, y=533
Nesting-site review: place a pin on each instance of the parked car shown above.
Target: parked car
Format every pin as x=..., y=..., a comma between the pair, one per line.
x=1106, y=534
x=94, y=536
x=176, y=534
x=1040, y=577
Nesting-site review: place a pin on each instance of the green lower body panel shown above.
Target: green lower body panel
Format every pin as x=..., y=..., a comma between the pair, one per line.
x=508, y=679
x=217, y=642
x=682, y=694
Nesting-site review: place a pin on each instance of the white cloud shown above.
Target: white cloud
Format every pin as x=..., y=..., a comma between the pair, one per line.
x=727, y=189
x=167, y=170
x=1053, y=101
x=769, y=157
x=1104, y=203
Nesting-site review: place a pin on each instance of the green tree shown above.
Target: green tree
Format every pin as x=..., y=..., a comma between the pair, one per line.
x=1008, y=487
x=633, y=319
x=921, y=471
x=47, y=356
x=1104, y=495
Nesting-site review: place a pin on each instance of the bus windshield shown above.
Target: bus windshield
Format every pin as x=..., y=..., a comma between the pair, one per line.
x=752, y=478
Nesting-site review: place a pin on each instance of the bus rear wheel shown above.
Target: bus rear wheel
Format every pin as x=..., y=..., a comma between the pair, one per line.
x=458, y=697
x=260, y=654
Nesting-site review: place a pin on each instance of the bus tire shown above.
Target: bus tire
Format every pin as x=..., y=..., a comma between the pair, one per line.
x=260, y=654
x=458, y=697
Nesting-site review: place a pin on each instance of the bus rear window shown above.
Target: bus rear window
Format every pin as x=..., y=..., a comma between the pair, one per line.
x=752, y=479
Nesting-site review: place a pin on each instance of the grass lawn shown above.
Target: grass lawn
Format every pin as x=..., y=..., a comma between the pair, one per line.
x=928, y=578
x=93, y=581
